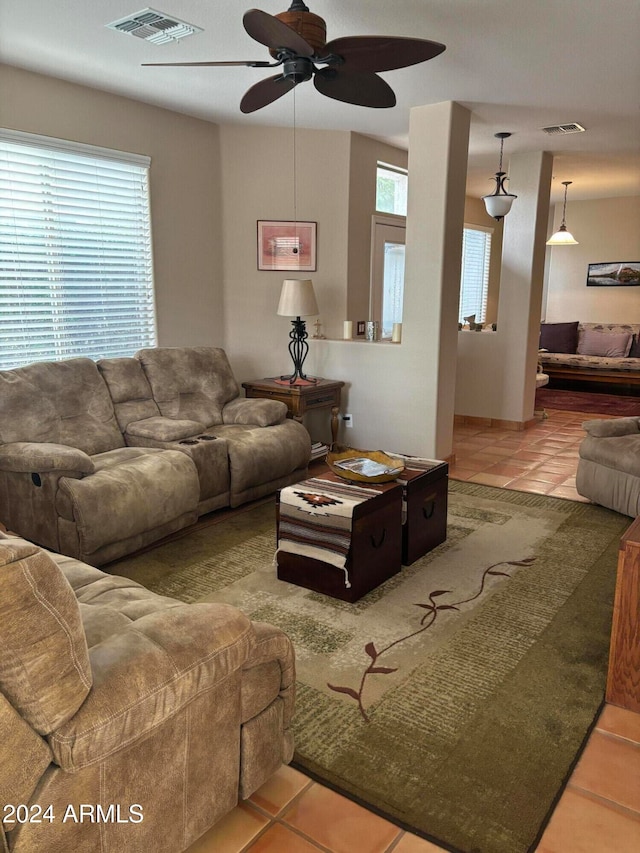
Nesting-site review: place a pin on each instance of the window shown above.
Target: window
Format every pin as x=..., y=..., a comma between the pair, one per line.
x=474, y=282
x=387, y=271
x=76, y=274
x=391, y=189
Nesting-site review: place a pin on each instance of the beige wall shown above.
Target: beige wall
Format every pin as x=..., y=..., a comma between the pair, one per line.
x=606, y=230
x=257, y=183
x=184, y=184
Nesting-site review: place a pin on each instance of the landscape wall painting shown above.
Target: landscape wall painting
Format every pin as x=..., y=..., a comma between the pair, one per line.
x=614, y=274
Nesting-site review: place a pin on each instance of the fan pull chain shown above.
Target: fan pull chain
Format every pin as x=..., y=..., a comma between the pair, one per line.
x=295, y=179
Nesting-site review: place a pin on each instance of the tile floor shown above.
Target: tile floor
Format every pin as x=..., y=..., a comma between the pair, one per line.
x=598, y=812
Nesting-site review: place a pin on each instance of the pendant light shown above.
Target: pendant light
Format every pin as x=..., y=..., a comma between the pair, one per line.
x=499, y=203
x=562, y=237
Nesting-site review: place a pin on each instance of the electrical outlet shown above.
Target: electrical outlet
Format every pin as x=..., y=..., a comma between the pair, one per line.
x=348, y=421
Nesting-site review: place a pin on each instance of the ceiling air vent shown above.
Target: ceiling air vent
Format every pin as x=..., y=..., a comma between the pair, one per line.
x=561, y=129
x=153, y=26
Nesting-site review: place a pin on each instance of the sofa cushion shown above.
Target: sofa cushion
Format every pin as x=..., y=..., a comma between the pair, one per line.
x=559, y=337
x=60, y=402
x=44, y=665
x=190, y=383
x=129, y=389
x=148, y=669
x=149, y=487
x=634, y=352
x=605, y=344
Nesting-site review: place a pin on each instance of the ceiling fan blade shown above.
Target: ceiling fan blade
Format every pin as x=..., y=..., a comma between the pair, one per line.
x=273, y=33
x=382, y=53
x=362, y=88
x=248, y=62
x=265, y=92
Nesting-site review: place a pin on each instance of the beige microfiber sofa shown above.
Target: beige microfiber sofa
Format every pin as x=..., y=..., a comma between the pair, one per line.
x=609, y=465
x=129, y=721
x=100, y=459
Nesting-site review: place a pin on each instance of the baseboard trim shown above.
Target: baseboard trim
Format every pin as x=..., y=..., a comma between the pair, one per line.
x=496, y=423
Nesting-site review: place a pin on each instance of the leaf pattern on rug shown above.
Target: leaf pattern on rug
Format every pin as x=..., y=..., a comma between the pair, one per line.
x=426, y=622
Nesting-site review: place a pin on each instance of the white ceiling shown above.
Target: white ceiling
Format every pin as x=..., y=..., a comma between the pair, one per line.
x=518, y=65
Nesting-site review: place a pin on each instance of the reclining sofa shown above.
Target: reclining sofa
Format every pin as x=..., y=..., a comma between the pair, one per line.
x=609, y=465
x=129, y=721
x=100, y=459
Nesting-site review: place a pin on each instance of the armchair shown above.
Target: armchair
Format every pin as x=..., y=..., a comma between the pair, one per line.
x=609, y=465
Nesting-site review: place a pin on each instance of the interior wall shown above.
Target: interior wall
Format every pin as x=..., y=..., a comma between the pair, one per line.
x=184, y=187
x=606, y=230
x=257, y=184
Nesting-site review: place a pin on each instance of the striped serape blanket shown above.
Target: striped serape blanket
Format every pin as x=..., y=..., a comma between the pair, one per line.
x=316, y=517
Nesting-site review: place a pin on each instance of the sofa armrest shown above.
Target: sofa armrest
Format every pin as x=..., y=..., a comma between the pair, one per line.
x=146, y=673
x=609, y=427
x=164, y=429
x=254, y=411
x=25, y=457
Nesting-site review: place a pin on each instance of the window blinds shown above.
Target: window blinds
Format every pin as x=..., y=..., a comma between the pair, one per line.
x=76, y=275
x=474, y=285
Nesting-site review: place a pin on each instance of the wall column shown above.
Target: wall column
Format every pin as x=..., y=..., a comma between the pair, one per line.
x=521, y=283
x=438, y=152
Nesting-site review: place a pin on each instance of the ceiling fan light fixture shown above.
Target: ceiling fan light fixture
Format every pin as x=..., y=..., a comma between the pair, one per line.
x=312, y=28
x=498, y=204
x=563, y=237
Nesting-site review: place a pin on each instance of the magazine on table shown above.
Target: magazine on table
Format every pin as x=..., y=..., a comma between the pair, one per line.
x=366, y=467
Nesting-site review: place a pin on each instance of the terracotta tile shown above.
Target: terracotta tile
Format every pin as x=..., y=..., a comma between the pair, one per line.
x=582, y=824
x=610, y=768
x=412, y=844
x=568, y=493
x=547, y=476
x=278, y=839
x=510, y=468
x=350, y=828
x=232, y=833
x=500, y=450
x=528, y=455
x=620, y=722
x=528, y=484
x=490, y=479
x=279, y=790
x=461, y=473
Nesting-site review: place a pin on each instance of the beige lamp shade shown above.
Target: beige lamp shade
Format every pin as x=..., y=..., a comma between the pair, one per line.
x=297, y=298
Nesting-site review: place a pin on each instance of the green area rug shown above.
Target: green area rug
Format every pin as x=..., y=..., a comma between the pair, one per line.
x=455, y=698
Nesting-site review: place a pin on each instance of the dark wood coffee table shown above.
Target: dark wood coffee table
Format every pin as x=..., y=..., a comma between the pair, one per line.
x=374, y=554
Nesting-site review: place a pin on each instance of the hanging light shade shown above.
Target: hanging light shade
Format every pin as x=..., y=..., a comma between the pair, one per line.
x=562, y=237
x=499, y=203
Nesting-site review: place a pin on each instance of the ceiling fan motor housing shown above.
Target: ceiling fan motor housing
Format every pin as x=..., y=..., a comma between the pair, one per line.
x=311, y=27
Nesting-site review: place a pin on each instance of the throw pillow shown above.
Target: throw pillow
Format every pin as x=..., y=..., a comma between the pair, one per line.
x=634, y=352
x=603, y=344
x=559, y=337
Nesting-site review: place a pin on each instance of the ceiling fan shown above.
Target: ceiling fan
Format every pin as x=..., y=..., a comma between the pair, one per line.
x=297, y=42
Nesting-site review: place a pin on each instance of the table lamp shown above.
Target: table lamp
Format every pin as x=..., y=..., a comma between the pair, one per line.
x=297, y=300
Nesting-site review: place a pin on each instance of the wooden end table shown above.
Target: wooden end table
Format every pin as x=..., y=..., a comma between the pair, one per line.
x=322, y=394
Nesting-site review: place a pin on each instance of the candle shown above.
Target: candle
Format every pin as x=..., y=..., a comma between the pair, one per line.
x=347, y=330
x=396, y=334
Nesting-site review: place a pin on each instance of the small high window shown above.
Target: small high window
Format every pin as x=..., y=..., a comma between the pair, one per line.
x=391, y=189
x=474, y=281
